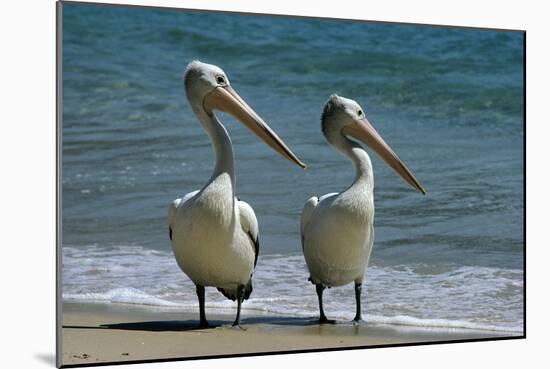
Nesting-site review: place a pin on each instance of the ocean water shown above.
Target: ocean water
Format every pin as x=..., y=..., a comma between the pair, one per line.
x=449, y=101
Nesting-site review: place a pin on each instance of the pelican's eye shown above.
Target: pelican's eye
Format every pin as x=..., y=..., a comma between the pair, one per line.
x=220, y=80
x=359, y=113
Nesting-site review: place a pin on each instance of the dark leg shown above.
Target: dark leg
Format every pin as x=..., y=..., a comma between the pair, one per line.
x=200, y=294
x=322, y=317
x=357, y=318
x=240, y=298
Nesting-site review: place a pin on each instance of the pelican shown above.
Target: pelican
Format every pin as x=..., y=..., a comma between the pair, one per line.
x=337, y=228
x=214, y=235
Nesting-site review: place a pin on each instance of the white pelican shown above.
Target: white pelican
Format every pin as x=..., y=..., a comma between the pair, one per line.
x=214, y=235
x=337, y=228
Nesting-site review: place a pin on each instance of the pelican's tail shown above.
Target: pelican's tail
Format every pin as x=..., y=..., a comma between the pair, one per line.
x=248, y=289
x=232, y=294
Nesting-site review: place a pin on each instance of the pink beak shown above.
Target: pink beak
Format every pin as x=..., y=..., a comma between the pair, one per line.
x=366, y=133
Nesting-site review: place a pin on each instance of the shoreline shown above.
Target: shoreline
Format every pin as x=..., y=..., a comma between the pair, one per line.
x=101, y=333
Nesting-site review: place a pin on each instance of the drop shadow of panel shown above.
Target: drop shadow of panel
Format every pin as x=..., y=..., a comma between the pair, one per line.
x=46, y=358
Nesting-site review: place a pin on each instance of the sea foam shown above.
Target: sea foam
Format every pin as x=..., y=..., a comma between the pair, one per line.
x=415, y=295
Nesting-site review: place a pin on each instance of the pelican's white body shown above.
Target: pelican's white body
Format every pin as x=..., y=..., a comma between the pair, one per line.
x=337, y=228
x=210, y=236
x=338, y=234
x=213, y=234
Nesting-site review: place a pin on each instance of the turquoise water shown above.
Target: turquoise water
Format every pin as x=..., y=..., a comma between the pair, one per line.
x=449, y=101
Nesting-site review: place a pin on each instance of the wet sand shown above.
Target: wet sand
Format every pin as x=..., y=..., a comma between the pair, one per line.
x=95, y=333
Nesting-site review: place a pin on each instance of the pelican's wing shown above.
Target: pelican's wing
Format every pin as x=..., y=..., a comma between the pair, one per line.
x=249, y=223
x=308, y=210
x=172, y=210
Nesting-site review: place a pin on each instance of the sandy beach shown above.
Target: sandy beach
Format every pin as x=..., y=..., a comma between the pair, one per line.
x=97, y=333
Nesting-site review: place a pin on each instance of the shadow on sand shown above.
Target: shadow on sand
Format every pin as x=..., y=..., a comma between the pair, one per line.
x=192, y=325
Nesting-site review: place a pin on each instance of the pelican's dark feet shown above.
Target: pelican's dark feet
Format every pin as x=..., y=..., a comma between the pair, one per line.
x=204, y=324
x=240, y=298
x=237, y=325
x=357, y=320
x=324, y=320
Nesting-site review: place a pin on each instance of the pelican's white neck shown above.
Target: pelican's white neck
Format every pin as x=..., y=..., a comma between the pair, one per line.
x=364, y=177
x=223, y=149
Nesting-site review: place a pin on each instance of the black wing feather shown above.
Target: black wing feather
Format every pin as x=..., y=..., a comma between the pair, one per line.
x=232, y=295
x=256, y=243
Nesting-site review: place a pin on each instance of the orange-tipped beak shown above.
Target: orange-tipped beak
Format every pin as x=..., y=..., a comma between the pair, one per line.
x=366, y=133
x=227, y=100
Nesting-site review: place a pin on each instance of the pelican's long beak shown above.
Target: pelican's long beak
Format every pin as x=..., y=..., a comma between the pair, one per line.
x=227, y=100
x=365, y=132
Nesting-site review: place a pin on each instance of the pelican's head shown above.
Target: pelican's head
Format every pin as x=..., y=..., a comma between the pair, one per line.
x=208, y=89
x=200, y=79
x=345, y=118
x=339, y=113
